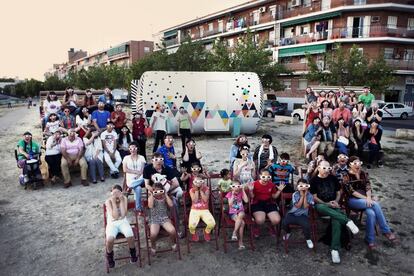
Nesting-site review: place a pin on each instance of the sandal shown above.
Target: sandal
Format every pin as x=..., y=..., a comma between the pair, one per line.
x=241, y=247
x=153, y=251
x=390, y=236
x=234, y=237
x=174, y=247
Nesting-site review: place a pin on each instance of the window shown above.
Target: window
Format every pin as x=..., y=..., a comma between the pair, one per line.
x=399, y=106
x=302, y=59
x=220, y=25
x=392, y=22
x=303, y=84
x=256, y=15
x=304, y=29
x=388, y=53
x=287, y=84
x=410, y=25
x=272, y=37
x=306, y=3
x=409, y=54
x=273, y=11
x=201, y=31
x=210, y=27
x=360, y=2
x=147, y=49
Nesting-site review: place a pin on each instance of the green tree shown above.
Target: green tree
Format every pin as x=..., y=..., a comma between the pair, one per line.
x=219, y=58
x=351, y=68
x=54, y=83
x=190, y=56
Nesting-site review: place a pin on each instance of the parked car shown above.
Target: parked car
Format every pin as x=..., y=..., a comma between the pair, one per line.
x=395, y=110
x=272, y=108
x=298, y=113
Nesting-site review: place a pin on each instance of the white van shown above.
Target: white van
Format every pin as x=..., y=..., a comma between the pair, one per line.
x=216, y=101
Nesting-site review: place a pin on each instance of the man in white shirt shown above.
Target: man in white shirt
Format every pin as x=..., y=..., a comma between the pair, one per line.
x=159, y=125
x=109, y=141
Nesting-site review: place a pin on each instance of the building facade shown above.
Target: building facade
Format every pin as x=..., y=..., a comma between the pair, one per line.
x=293, y=28
x=122, y=55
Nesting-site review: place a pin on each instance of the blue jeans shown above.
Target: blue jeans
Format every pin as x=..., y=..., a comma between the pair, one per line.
x=95, y=164
x=342, y=148
x=136, y=186
x=374, y=215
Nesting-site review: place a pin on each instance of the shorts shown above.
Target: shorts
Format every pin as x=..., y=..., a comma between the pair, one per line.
x=113, y=228
x=264, y=206
x=235, y=214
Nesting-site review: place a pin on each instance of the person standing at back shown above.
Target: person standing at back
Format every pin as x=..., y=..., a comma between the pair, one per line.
x=366, y=97
x=159, y=125
x=184, y=126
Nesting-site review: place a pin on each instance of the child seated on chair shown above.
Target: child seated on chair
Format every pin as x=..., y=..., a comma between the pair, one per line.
x=53, y=125
x=117, y=207
x=299, y=213
x=281, y=172
x=225, y=181
x=236, y=197
x=263, y=192
x=158, y=201
x=199, y=194
x=196, y=170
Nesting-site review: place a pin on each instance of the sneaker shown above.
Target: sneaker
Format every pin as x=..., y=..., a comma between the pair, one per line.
x=234, y=237
x=174, y=247
x=335, y=257
x=102, y=179
x=380, y=165
x=286, y=236
x=390, y=236
x=194, y=237
x=133, y=253
x=241, y=247
x=207, y=236
x=180, y=234
x=309, y=243
x=110, y=259
x=116, y=175
x=94, y=181
x=371, y=246
x=84, y=182
x=113, y=175
x=67, y=185
x=351, y=226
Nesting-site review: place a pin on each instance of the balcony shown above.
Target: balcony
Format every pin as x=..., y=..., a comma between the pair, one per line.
x=348, y=33
x=296, y=66
x=401, y=64
x=170, y=42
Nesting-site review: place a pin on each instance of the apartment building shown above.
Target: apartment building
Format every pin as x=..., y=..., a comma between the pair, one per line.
x=292, y=28
x=122, y=55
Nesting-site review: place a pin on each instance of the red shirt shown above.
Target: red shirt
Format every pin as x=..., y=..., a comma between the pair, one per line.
x=263, y=192
x=121, y=119
x=138, y=126
x=200, y=204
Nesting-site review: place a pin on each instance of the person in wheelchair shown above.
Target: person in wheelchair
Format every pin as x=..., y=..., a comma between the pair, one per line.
x=28, y=159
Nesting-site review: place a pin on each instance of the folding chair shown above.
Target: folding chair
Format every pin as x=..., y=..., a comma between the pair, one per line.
x=227, y=223
x=201, y=224
x=120, y=238
x=312, y=223
x=161, y=234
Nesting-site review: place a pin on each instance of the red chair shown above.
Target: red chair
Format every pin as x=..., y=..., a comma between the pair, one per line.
x=120, y=239
x=227, y=223
x=201, y=224
x=161, y=234
x=312, y=221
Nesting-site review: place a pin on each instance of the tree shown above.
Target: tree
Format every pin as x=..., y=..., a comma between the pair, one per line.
x=351, y=69
x=190, y=56
x=219, y=58
x=54, y=83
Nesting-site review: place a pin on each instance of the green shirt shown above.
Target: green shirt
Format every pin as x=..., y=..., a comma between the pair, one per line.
x=26, y=147
x=184, y=121
x=224, y=185
x=366, y=99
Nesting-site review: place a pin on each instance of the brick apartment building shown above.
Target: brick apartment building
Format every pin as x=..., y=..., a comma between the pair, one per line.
x=122, y=55
x=291, y=28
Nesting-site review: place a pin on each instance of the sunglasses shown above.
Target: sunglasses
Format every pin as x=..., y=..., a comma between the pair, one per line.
x=66, y=111
x=326, y=168
x=169, y=139
x=306, y=186
x=264, y=177
x=158, y=192
x=265, y=139
x=196, y=169
x=235, y=186
x=357, y=163
x=199, y=181
x=284, y=161
x=158, y=159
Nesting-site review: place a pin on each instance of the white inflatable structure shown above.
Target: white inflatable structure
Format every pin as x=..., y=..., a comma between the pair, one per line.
x=215, y=101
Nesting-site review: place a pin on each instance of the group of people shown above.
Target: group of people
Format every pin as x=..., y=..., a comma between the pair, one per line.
x=343, y=122
x=259, y=176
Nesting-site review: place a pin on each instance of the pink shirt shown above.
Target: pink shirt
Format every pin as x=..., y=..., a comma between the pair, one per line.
x=72, y=148
x=237, y=206
x=338, y=113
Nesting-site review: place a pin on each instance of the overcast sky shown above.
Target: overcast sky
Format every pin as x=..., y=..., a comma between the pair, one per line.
x=35, y=34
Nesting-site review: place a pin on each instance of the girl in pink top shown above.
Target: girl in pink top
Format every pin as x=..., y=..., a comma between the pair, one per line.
x=236, y=197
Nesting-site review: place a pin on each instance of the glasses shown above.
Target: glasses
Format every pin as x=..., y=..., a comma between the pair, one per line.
x=199, y=181
x=343, y=157
x=192, y=144
x=284, y=161
x=235, y=186
x=306, y=186
x=265, y=139
x=158, y=159
x=158, y=192
x=196, y=169
x=169, y=139
x=357, y=163
x=326, y=168
x=66, y=111
x=265, y=177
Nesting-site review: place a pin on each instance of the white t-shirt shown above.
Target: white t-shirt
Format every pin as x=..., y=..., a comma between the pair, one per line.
x=136, y=165
x=109, y=138
x=92, y=148
x=52, y=150
x=52, y=106
x=53, y=126
x=83, y=122
x=160, y=123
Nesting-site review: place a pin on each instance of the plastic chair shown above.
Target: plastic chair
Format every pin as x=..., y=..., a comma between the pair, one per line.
x=120, y=238
x=201, y=224
x=161, y=234
x=284, y=197
x=227, y=223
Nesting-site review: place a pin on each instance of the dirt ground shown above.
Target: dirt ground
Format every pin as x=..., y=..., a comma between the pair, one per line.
x=56, y=231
